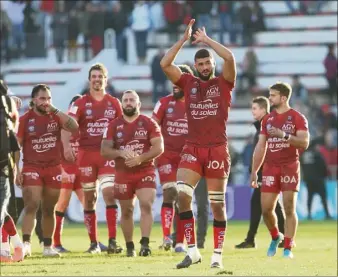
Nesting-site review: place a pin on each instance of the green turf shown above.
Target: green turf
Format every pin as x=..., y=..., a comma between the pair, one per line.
x=315, y=254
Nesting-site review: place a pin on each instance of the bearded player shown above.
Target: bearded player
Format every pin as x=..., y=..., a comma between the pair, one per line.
x=93, y=112
x=205, y=154
x=284, y=135
x=170, y=114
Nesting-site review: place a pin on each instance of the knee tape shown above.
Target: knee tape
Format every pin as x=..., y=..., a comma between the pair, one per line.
x=185, y=188
x=216, y=197
x=88, y=186
x=106, y=181
x=169, y=185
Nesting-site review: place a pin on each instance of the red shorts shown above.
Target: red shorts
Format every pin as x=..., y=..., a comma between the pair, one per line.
x=127, y=184
x=210, y=162
x=281, y=178
x=49, y=176
x=167, y=165
x=74, y=177
x=92, y=164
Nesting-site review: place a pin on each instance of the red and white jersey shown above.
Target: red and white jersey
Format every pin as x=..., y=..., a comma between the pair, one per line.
x=172, y=118
x=41, y=139
x=93, y=118
x=135, y=136
x=279, y=151
x=207, y=106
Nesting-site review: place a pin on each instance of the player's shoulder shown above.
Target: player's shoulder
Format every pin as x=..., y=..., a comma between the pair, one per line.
x=115, y=122
x=147, y=120
x=26, y=115
x=167, y=99
x=112, y=98
x=81, y=100
x=296, y=113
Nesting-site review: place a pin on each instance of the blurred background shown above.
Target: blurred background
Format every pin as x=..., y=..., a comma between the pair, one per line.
x=55, y=42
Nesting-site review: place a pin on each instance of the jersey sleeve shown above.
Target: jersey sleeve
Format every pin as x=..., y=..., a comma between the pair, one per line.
x=75, y=108
x=109, y=132
x=21, y=129
x=159, y=111
x=264, y=130
x=154, y=129
x=182, y=82
x=301, y=123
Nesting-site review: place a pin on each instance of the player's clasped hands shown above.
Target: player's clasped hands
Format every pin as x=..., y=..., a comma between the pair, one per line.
x=275, y=132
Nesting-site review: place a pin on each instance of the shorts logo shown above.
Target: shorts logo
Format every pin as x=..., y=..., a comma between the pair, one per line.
x=121, y=188
x=148, y=179
x=188, y=158
x=109, y=163
x=165, y=169
x=31, y=175
x=268, y=180
x=215, y=165
x=57, y=178
x=287, y=179
x=86, y=171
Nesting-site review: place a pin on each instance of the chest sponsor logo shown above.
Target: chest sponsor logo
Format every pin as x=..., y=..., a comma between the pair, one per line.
x=277, y=144
x=203, y=109
x=98, y=127
x=177, y=128
x=44, y=143
x=268, y=180
x=213, y=91
x=109, y=113
x=134, y=146
x=141, y=134
x=52, y=127
x=289, y=128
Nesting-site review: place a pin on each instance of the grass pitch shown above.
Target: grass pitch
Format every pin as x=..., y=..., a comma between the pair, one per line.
x=315, y=254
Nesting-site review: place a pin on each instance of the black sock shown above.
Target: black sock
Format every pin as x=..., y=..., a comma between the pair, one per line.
x=130, y=245
x=144, y=241
x=26, y=238
x=47, y=242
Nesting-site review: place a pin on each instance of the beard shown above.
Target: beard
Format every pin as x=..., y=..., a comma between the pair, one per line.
x=40, y=110
x=129, y=111
x=208, y=77
x=178, y=95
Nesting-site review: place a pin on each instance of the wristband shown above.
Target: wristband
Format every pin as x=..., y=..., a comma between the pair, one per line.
x=286, y=137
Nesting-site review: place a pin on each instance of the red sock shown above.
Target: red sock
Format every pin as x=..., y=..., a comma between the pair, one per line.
x=4, y=235
x=219, y=235
x=288, y=243
x=188, y=223
x=58, y=228
x=274, y=232
x=111, y=217
x=167, y=214
x=91, y=224
x=9, y=226
x=179, y=230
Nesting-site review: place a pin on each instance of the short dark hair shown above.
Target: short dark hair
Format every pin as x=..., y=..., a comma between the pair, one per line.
x=262, y=102
x=203, y=53
x=98, y=66
x=284, y=89
x=186, y=69
x=36, y=90
x=77, y=96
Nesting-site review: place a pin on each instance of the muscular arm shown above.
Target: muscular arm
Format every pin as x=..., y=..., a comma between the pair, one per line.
x=68, y=123
x=156, y=149
x=108, y=151
x=229, y=65
x=300, y=140
x=259, y=154
x=167, y=63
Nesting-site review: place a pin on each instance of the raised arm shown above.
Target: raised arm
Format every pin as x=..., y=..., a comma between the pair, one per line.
x=167, y=63
x=229, y=66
